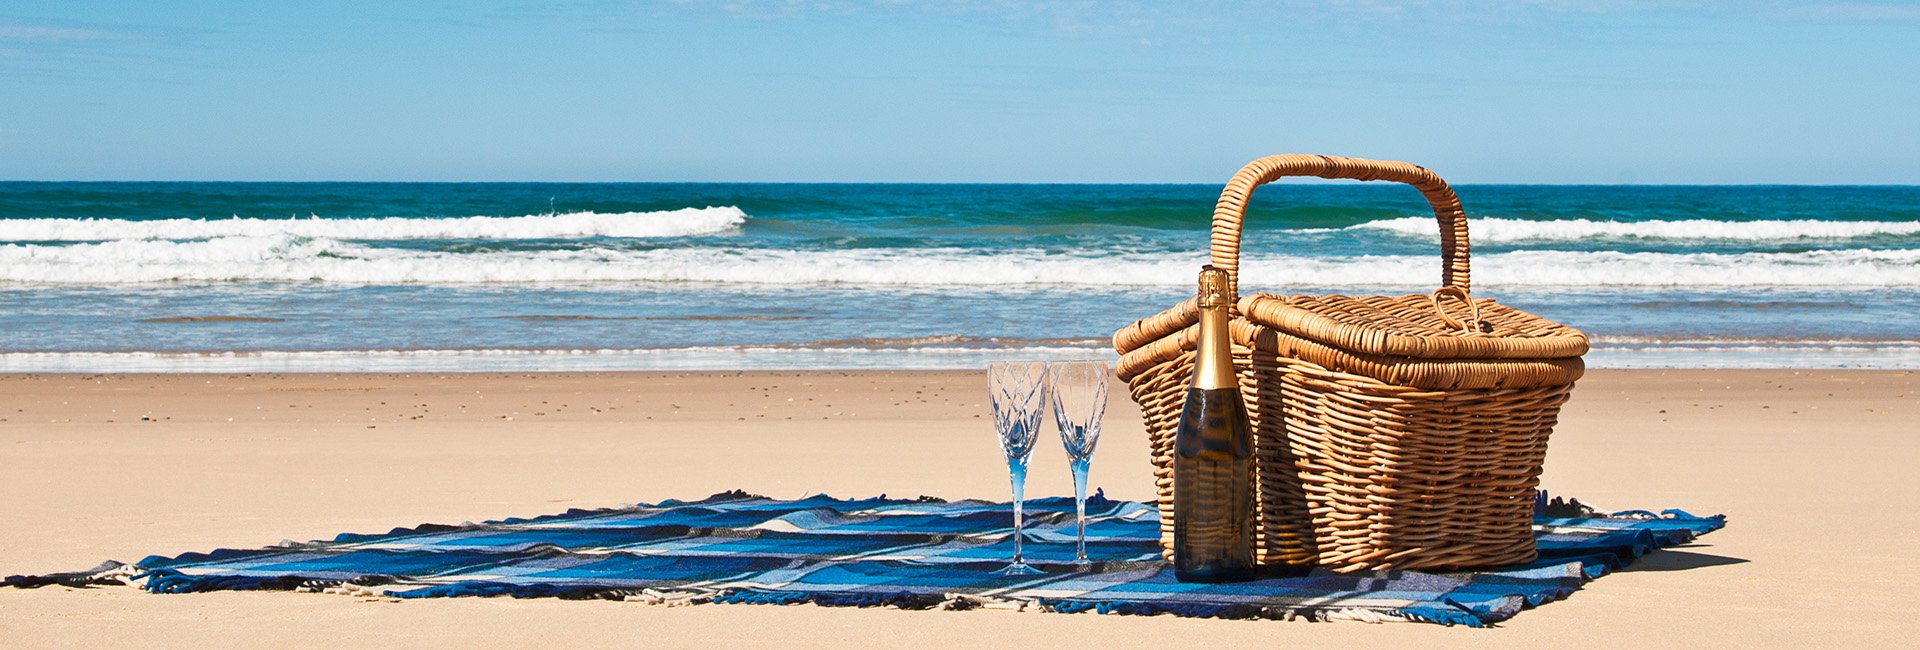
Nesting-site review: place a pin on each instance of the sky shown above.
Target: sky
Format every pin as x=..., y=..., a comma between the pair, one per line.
x=1495, y=91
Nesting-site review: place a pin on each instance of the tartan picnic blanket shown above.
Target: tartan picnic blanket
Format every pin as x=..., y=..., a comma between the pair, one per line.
x=911, y=553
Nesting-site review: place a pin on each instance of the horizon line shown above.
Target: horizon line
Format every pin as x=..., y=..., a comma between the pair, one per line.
x=1290, y=181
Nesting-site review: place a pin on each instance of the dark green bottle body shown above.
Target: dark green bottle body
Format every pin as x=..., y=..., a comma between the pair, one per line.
x=1213, y=516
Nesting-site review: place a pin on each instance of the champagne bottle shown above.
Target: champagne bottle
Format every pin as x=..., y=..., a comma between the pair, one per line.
x=1213, y=518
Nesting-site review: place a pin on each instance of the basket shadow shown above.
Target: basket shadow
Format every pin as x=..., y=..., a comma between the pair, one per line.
x=1287, y=534
x=1679, y=559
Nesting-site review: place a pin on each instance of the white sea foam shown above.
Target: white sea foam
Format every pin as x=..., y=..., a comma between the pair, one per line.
x=503, y=360
x=1679, y=354
x=1773, y=354
x=1771, y=342
x=666, y=223
x=303, y=259
x=1488, y=230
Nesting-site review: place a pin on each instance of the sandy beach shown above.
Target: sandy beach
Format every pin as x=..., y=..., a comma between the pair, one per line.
x=1812, y=468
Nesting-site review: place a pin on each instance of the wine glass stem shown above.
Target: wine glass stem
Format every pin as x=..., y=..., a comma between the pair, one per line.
x=1080, y=506
x=1018, y=472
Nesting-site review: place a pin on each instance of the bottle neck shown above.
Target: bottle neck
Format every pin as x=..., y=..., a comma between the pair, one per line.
x=1213, y=359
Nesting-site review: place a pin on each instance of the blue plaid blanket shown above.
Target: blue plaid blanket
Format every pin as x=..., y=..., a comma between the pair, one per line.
x=924, y=553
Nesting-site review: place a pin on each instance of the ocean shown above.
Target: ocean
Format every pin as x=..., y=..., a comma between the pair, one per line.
x=427, y=277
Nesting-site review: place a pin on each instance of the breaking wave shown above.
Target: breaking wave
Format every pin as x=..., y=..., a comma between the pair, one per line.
x=1489, y=230
x=288, y=258
x=565, y=225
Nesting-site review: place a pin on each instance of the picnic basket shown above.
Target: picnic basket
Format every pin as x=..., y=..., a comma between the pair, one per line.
x=1389, y=431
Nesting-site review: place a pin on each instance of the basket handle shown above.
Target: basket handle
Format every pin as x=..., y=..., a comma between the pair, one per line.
x=1473, y=325
x=1232, y=208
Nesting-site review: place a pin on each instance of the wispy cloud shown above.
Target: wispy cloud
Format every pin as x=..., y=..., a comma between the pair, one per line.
x=1205, y=21
x=1859, y=12
x=1867, y=11
x=23, y=32
x=1229, y=8
x=37, y=46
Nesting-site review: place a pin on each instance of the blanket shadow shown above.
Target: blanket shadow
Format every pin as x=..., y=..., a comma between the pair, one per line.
x=1679, y=558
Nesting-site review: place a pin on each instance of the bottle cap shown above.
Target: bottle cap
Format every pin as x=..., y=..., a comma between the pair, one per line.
x=1216, y=288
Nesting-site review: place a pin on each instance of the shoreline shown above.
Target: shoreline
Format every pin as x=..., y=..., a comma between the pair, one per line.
x=785, y=372
x=1705, y=354
x=1805, y=464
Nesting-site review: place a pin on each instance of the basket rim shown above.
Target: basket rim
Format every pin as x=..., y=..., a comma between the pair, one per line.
x=1514, y=333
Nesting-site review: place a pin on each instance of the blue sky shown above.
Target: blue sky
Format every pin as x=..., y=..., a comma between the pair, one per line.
x=1521, y=91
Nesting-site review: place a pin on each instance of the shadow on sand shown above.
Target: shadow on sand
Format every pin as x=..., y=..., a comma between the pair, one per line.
x=1680, y=558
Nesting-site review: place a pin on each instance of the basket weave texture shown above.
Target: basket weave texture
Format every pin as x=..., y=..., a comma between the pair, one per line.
x=1389, y=431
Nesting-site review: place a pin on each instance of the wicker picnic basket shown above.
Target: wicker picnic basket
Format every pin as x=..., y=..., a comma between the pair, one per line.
x=1389, y=431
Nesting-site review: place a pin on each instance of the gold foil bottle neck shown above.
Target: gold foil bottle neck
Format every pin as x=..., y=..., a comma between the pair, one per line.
x=1213, y=357
x=1216, y=288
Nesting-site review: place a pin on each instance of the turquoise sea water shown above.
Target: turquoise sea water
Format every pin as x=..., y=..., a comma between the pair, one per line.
x=437, y=276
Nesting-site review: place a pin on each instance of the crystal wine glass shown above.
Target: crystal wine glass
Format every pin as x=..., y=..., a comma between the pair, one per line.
x=1018, y=392
x=1079, y=399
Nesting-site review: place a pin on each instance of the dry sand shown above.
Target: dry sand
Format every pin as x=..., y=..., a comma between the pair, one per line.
x=1814, y=469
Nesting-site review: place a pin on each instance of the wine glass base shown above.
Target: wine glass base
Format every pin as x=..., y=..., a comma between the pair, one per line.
x=1019, y=569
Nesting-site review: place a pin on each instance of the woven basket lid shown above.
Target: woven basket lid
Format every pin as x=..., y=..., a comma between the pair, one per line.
x=1440, y=326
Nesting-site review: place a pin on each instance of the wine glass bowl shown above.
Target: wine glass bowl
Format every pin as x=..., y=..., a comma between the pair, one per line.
x=1017, y=391
x=1079, y=390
